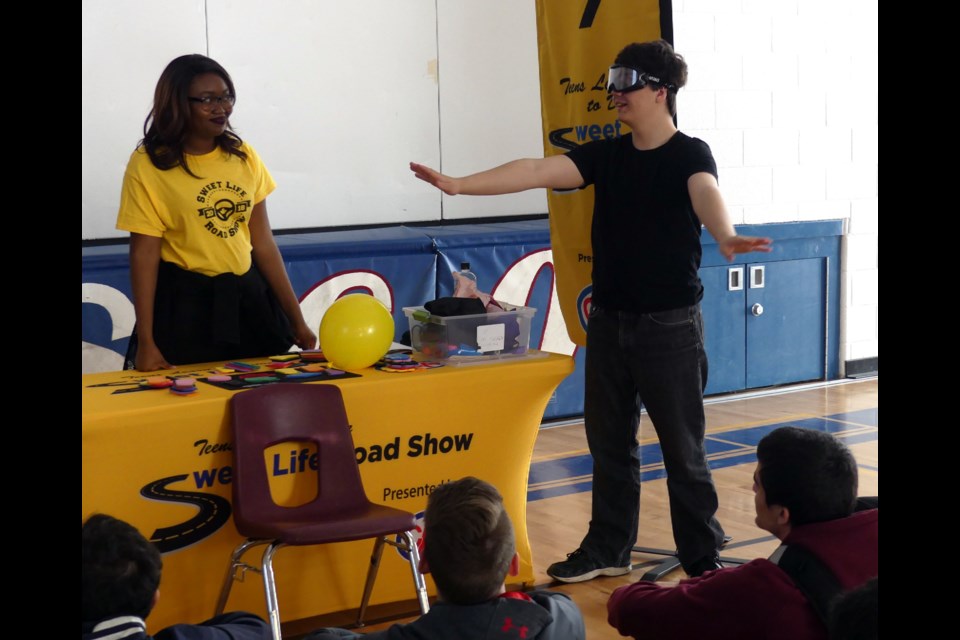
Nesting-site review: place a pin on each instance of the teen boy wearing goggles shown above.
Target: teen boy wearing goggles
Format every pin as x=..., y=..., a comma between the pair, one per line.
x=653, y=190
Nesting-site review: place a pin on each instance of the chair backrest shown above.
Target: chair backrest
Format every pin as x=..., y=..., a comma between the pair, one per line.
x=307, y=413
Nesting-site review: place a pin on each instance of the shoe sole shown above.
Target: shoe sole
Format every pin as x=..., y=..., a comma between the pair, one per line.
x=596, y=573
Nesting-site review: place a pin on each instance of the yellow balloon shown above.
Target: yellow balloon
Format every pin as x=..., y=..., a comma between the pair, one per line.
x=356, y=331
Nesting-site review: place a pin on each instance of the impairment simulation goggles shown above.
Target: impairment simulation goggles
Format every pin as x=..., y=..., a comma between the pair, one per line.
x=625, y=79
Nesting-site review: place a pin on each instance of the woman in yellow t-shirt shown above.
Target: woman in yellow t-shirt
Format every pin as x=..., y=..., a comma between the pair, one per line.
x=208, y=280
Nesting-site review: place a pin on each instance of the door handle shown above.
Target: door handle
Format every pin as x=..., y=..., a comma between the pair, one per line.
x=735, y=279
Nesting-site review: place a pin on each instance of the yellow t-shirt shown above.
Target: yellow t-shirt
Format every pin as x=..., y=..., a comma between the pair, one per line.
x=204, y=222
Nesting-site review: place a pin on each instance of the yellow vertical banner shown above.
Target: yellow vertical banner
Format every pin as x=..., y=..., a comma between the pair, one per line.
x=578, y=42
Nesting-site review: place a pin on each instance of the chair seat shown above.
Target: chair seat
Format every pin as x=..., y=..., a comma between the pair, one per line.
x=373, y=521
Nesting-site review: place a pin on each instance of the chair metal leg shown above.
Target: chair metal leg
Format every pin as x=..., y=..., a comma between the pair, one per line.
x=418, y=582
x=371, y=578
x=270, y=589
x=235, y=563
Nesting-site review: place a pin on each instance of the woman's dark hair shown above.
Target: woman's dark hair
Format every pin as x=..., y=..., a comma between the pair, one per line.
x=165, y=129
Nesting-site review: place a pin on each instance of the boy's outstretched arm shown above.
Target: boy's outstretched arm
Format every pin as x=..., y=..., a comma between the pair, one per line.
x=709, y=206
x=555, y=172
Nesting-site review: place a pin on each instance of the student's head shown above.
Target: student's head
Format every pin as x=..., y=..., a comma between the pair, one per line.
x=194, y=96
x=468, y=541
x=854, y=615
x=657, y=60
x=120, y=571
x=802, y=476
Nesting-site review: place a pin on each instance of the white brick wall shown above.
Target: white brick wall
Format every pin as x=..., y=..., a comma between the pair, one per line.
x=863, y=315
x=865, y=216
x=787, y=36
x=770, y=147
x=845, y=109
x=851, y=181
x=825, y=146
x=770, y=7
x=743, y=109
x=823, y=210
x=744, y=34
x=766, y=71
x=748, y=185
x=866, y=343
x=866, y=148
x=697, y=109
x=796, y=108
x=726, y=145
x=711, y=71
x=862, y=255
x=799, y=184
x=694, y=32
x=712, y=7
x=860, y=349
x=770, y=212
x=864, y=288
x=785, y=92
x=830, y=71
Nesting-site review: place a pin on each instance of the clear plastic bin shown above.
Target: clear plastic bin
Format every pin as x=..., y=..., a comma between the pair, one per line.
x=478, y=337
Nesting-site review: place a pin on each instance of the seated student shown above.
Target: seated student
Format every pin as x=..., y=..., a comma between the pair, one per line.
x=469, y=548
x=120, y=576
x=805, y=487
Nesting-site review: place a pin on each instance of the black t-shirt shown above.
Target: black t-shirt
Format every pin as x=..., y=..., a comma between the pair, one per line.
x=646, y=236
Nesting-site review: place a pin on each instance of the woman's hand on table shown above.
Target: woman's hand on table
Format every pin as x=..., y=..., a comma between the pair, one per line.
x=304, y=337
x=149, y=358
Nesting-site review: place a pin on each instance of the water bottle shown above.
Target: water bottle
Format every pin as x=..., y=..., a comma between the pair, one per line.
x=466, y=273
x=464, y=282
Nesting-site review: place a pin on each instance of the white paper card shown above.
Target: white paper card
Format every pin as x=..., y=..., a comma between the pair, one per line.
x=490, y=337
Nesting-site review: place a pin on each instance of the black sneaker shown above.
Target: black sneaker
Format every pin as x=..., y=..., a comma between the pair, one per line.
x=704, y=564
x=580, y=567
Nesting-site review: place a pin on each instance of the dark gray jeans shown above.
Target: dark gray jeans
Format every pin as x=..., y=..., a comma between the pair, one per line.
x=655, y=360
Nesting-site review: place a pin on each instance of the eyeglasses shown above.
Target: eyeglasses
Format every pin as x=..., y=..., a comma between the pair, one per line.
x=207, y=102
x=625, y=79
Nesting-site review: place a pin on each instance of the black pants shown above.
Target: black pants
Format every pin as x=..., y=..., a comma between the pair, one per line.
x=656, y=360
x=199, y=318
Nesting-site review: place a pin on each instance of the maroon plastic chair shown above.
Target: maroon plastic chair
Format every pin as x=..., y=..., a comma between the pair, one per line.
x=340, y=512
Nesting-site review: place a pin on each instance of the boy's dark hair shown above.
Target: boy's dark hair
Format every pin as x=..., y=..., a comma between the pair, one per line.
x=120, y=570
x=809, y=472
x=855, y=614
x=469, y=542
x=658, y=59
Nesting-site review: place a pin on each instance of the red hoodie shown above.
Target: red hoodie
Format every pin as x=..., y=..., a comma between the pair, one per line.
x=754, y=600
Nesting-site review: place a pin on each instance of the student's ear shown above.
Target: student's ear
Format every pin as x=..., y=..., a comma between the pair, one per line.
x=514, y=565
x=783, y=516
x=423, y=565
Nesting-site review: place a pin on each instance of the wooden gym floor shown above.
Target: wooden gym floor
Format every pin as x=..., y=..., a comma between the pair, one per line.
x=558, y=507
